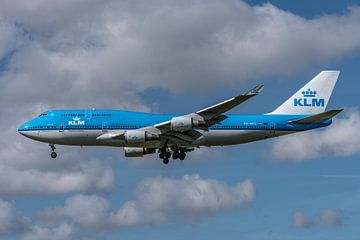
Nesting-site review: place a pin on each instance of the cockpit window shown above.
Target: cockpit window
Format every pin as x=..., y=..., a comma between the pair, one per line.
x=43, y=114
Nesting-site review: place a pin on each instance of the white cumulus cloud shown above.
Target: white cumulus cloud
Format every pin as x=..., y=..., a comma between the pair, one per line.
x=158, y=200
x=340, y=138
x=188, y=199
x=84, y=177
x=63, y=231
x=10, y=221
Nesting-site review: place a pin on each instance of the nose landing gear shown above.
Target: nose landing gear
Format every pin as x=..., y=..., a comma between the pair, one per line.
x=53, y=153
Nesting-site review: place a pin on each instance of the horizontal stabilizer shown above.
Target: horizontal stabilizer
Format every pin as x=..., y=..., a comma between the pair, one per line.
x=317, y=118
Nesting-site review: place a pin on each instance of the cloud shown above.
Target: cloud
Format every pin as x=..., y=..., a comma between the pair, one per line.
x=129, y=47
x=158, y=200
x=188, y=199
x=10, y=221
x=63, y=231
x=328, y=217
x=340, y=138
x=82, y=177
x=88, y=210
x=11, y=38
x=300, y=220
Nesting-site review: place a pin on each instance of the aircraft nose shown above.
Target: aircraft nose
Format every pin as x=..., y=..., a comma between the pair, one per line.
x=22, y=129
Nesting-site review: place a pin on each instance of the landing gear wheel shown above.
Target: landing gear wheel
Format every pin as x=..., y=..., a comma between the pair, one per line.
x=182, y=155
x=162, y=155
x=176, y=155
x=166, y=161
x=53, y=153
x=167, y=155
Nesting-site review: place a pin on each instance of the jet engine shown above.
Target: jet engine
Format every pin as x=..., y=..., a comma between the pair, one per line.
x=139, y=136
x=137, y=151
x=181, y=124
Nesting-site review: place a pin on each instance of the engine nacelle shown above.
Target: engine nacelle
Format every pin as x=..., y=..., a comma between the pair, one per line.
x=139, y=136
x=137, y=151
x=181, y=124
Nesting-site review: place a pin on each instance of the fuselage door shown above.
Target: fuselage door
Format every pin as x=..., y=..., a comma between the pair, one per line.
x=105, y=126
x=62, y=127
x=272, y=127
x=88, y=115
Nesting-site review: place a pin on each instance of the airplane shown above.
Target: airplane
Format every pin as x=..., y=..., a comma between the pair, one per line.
x=176, y=135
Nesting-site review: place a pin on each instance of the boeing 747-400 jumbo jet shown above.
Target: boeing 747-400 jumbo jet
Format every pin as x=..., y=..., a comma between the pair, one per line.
x=175, y=135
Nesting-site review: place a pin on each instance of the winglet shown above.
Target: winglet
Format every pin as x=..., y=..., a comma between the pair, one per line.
x=256, y=90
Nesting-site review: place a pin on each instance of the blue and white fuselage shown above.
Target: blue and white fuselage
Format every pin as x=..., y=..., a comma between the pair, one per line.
x=83, y=127
x=174, y=135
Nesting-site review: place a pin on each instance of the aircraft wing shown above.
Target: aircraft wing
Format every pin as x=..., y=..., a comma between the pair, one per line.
x=206, y=118
x=226, y=105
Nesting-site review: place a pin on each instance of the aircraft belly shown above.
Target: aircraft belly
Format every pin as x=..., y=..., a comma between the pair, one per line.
x=230, y=137
x=73, y=137
x=83, y=138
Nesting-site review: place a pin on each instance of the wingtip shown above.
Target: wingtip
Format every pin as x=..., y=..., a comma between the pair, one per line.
x=255, y=90
x=338, y=110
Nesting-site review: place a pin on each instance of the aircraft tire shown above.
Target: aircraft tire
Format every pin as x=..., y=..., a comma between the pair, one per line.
x=182, y=155
x=176, y=155
x=53, y=155
x=166, y=161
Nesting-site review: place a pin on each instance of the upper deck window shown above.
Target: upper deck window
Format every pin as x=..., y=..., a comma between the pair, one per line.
x=74, y=115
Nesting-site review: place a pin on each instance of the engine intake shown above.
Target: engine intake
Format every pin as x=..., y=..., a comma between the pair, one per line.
x=139, y=136
x=137, y=151
x=181, y=124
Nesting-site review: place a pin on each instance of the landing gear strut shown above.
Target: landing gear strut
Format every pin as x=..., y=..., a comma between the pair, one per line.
x=53, y=153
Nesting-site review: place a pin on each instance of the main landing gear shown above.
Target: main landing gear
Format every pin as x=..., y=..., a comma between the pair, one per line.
x=53, y=153
x=165, y=154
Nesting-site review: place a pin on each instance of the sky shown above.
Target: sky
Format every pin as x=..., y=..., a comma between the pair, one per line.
x=178, y=57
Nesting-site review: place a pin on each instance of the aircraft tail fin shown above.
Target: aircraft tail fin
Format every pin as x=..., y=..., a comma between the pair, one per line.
x=311, y=98
x=317, y=118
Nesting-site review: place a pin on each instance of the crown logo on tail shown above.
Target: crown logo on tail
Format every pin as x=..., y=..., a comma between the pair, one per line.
x=309, y=93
